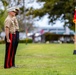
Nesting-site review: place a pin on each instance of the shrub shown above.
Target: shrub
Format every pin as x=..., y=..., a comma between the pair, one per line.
x=2, y=41
x=26, y=41
x=20, y=41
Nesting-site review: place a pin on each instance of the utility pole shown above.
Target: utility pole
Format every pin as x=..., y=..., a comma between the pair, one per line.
x=24, y=18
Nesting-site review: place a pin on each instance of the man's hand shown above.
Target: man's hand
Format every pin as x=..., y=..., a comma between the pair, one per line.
x=8, y=40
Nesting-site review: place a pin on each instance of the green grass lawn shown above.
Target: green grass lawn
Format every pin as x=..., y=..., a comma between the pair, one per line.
x=41, y=59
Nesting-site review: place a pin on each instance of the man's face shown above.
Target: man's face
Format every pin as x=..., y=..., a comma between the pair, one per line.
x=13, y=13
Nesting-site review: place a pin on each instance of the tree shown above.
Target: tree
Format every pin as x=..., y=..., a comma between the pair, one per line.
x=58, y=10
x=3, y=15
x=22, y=16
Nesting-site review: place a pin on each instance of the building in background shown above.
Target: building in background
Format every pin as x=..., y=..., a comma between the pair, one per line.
x=64, y=33
x=38, y=34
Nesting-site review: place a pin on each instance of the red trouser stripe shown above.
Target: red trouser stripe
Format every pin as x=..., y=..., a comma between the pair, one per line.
x=9, y=51
x=12, y=56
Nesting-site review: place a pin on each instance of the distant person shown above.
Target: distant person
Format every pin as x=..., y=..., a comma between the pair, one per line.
x=62, y=39
x=9, y=27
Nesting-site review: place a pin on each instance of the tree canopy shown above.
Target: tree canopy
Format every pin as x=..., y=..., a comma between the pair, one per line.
x=3, y=15
x=21, y=17
x=62, y=10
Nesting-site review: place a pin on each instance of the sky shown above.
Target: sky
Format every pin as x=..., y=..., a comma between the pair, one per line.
x=1, y=5
x=43, y=22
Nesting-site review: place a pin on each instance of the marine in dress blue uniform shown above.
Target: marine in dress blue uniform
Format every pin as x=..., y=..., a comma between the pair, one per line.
x=16, y=35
